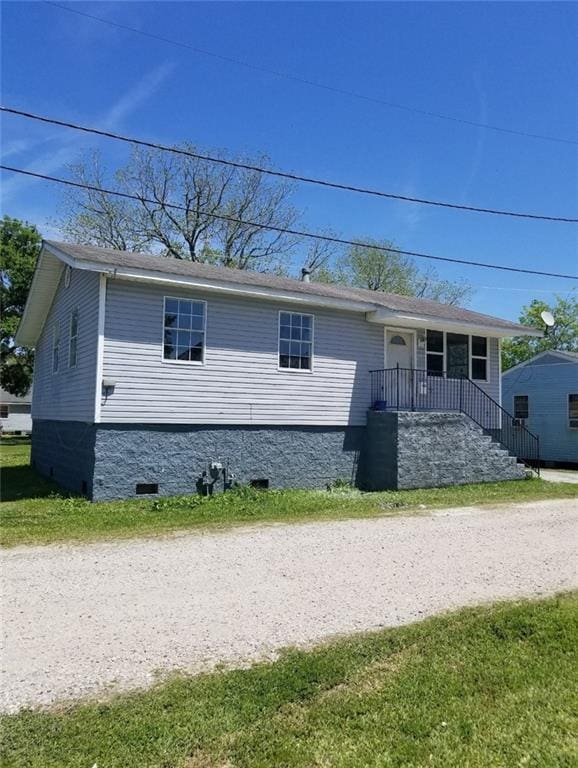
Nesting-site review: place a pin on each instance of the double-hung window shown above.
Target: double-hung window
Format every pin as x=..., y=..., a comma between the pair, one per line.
x=573, y=411
x=521, y=407
x=56, y=348
x=184, y=328
x=479, y=358
x=73, y=339
x=435, y=353
x=296, y=341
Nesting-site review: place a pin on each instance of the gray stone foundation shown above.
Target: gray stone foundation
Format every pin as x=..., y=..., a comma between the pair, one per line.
x=64, y=452
x=395, y=450
x=425, y=450
x=178, y=458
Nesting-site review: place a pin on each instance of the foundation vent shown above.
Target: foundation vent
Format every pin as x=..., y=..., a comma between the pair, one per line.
x=146, y=488
x=262, y=483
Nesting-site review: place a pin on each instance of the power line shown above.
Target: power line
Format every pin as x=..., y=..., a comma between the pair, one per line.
x=280, y=174
x=284, y=230
x=312, y=83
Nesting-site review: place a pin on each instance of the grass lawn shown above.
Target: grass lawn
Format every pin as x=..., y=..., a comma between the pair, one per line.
x=35, y=511
x=492, y=687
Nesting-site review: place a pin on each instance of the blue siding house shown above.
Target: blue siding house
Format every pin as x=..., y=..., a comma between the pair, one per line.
x=542, y=394
x=161, y=376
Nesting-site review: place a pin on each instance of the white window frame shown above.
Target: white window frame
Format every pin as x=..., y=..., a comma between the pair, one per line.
x=74, y=313
x=205, y=312
x=56, y=349
x=485, y=357
x=470, y=355
x=570, y=419
x=527, y=416
x=280, y=368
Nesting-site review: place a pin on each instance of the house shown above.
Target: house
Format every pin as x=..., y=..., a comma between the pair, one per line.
x=15, y=412
x=156, y=375
x=542, y=395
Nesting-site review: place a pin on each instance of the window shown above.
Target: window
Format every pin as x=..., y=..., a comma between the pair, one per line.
x=479, y=358
x=573, y=411
x=184, y=330
x=398, y=340
x=3, y=411
x=56, y=349
x=435, y=352
x=521, y=406
x=295, y=341
x=456, y=355
x=73, y=339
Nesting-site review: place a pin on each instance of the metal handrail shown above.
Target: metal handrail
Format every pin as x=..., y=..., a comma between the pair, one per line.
x=411, y=389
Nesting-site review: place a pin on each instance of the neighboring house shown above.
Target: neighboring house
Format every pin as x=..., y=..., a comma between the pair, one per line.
x=15, y=412
x=156, y=375
x=542, y=395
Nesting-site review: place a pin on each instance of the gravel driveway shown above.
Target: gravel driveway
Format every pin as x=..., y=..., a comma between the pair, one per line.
x=80, y=618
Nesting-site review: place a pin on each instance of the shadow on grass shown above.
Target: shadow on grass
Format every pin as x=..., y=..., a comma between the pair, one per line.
x=10, y=440
x=25, y=483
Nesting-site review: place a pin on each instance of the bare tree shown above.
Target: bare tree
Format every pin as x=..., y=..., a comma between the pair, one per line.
x=95, y=218
x=222, y=216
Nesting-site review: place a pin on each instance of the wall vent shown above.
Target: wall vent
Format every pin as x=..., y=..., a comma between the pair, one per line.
x=84, y=488
x=145, y=488
x=261, y=482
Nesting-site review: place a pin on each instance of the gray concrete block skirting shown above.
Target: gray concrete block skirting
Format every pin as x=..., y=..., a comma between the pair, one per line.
x=394, y=450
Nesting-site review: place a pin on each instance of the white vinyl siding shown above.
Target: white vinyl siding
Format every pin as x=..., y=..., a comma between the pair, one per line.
x=69, y=395
x=240, y=382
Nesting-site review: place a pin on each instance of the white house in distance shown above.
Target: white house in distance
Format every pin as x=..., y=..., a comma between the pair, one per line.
x=158, y=375
x=15, y=412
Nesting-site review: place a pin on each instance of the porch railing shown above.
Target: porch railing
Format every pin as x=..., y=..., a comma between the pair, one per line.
x=406, y=389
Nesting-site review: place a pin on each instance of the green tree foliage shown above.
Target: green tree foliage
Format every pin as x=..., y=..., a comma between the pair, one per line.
x=563, y=336
x=19, y=248
x=388, y=271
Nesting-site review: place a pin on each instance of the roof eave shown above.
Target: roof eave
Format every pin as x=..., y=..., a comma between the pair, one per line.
x=417, y=320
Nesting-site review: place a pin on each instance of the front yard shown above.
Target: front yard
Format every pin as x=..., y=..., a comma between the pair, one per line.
x=487, y=687
x=35, y=511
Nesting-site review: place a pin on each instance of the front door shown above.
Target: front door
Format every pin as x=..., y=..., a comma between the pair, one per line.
x=399, y=349
x=399, y=352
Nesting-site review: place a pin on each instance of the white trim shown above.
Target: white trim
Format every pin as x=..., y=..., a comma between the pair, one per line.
x=100, y=347
x=394, y=318
x=280, y=368
x=500, y=374
x=168, y=361
x=72, y=312
x=413, y=345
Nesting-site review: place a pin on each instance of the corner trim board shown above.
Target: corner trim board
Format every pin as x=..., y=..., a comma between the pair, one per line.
x=100, y=347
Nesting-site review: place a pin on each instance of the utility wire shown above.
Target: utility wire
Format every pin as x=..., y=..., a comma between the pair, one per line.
x=280, y=174
x=311, y=83
x=283, y=230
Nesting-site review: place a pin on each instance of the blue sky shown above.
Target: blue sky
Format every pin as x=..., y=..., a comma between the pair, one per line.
x=509, y=64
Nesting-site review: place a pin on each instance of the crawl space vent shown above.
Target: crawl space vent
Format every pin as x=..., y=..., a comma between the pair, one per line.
x=262, y=483
x=143, y=488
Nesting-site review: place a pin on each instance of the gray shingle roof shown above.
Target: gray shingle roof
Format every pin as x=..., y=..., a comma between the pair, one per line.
x=110, y=258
